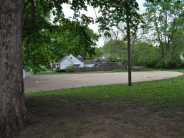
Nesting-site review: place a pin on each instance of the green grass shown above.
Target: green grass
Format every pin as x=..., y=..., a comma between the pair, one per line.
x=177, y=70
x=159, y=93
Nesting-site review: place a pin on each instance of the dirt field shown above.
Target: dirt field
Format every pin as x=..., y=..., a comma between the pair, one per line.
x=54, y=82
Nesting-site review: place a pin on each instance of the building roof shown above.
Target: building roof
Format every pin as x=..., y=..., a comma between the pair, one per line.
x=89, y=62
x=80, y=58
x=62, y=59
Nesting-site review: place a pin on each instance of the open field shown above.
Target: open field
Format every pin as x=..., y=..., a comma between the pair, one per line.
x=147, y=109
x=55, y=82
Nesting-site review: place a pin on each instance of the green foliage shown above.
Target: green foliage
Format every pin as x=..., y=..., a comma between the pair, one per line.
x=36, y=48
x=60, y=70
x=123, y=62
x=164, y=23
x=98, y=51
x=143, y=53
x=116, y=49
x=94, y=38
x=38, y=69
x=114, y=12
x=69, y=68
x=45, y=40
x=150, y=56
x=111, y=60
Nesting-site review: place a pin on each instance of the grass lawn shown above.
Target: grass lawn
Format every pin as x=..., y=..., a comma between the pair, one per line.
x=145, y=109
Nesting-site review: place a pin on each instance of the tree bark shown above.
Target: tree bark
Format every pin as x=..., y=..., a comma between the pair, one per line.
x=13, y=113
x=129, y=53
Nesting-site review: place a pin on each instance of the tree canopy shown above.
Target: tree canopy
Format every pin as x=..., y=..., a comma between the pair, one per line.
x=164, y=24
x=45, y=39
x=162, y=36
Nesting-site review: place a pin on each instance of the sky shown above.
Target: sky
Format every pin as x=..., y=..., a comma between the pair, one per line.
x=69, y=13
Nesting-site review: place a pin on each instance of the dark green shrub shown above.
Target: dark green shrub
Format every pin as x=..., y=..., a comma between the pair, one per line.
x=63, y=70
x=159, y=65
x=123, y=62
x=111, y=59
x=69, y=68
x=60, y=70
x=57, y=70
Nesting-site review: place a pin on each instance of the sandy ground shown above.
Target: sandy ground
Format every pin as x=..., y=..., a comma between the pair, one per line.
x=54, y=82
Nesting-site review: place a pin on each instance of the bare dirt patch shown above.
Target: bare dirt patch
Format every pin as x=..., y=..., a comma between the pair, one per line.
x=54, y=82
x=88, y=118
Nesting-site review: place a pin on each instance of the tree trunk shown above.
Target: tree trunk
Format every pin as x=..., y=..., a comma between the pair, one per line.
x=129, y=54
x=13, y=113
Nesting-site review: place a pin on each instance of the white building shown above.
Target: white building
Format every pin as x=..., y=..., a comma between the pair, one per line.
x=68, y=61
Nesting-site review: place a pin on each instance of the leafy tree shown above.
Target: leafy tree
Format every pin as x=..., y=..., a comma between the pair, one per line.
x=114, y=12
x=94, y=38
x=164, y=24
x=98, y=51
x=88, y=57
x=55, y=40
x=144, y=54
x=116, y=48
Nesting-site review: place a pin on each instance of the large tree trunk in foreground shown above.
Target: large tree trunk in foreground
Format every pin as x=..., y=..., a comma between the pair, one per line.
x=13, y=113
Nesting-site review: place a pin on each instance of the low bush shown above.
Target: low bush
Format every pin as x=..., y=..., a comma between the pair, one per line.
x=111, y=59
x=69, y=68
x=60, y=70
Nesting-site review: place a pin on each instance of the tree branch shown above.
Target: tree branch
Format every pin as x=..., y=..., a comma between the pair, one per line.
x=33, y=10
x=33, y=15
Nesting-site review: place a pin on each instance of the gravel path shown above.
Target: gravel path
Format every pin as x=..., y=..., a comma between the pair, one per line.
x=54, y=82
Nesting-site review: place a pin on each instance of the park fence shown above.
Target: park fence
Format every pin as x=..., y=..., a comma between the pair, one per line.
x=99, y=68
